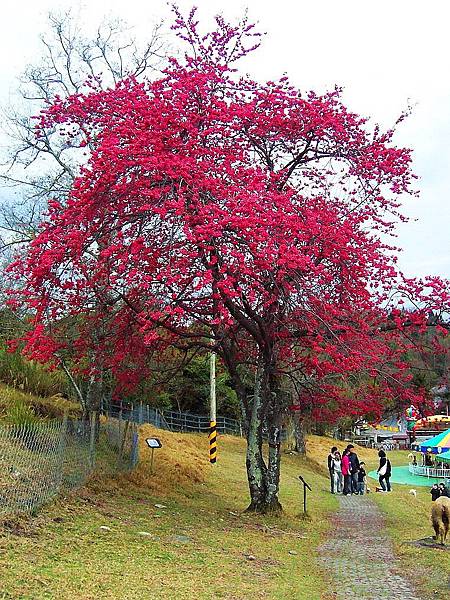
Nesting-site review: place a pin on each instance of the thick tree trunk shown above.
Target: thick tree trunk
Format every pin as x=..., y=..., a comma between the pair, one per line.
x=264, y=478
x=256, y=468
x=273, y=469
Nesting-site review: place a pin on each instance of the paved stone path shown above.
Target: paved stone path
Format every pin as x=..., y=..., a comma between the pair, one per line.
x=360, y=557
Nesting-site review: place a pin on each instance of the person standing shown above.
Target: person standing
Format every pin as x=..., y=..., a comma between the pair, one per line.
x=354, y=468
x=361, y=479
x=435, y=492
x=337, y=473
x=443, y=491
x=330, y=467
x=346, y=473
x=384, y=471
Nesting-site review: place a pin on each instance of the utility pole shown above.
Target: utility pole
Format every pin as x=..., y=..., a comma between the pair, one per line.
x=212, y=405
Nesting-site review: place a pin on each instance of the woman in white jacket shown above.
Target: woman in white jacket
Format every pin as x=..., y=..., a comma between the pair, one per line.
x=384, y=471
x=337, y=473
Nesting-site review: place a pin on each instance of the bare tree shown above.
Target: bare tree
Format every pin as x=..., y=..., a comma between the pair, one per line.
x=36, y=169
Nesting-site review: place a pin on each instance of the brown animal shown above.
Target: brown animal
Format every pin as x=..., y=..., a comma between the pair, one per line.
x=440, y=518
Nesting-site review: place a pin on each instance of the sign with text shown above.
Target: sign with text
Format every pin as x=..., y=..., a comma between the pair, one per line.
x=153, y=443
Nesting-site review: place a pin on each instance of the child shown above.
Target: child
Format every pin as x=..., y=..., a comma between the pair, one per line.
x=361, y=479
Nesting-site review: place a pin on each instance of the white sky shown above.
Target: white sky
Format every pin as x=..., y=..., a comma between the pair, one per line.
x=385, y=54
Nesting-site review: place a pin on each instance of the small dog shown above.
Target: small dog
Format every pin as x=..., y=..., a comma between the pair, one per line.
x=413, y=493
x=440, y=518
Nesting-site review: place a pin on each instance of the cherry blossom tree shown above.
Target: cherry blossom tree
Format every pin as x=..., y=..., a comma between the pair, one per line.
x=252, y=219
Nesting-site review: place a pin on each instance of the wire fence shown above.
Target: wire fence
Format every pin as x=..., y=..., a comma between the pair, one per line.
x=173, y=420
x=41, y=460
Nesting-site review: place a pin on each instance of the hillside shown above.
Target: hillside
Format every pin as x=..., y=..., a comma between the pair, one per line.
x=17, y=406
x=181, y=531
x=200, y=541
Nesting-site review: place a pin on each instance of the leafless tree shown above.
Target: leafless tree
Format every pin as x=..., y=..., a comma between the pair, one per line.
x=36, y=169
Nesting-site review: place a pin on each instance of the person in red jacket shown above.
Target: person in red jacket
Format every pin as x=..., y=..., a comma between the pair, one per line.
x=346, y=467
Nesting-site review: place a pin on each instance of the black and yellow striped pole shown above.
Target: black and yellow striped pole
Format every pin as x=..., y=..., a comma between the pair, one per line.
x=212, y=443
x=212, y=421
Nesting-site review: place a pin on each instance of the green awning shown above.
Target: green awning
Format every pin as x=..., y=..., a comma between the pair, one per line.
x=444, y=457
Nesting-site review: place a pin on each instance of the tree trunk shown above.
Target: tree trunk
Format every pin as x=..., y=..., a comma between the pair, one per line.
x=256, y=468
x=264, y=479
x=300, y=435
x=273, y=465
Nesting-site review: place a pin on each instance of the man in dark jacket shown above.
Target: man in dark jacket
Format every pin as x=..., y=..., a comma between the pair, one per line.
x=330, y=467
x=435, y=492
x=354, y=468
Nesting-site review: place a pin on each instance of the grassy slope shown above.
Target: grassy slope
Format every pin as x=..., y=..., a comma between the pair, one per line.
x=63, y=553
x=12, y=400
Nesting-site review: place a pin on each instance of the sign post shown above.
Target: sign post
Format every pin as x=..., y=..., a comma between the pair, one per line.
x=305, y=485
x=153, y=443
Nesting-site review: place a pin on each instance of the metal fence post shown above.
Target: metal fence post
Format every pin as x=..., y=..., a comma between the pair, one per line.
x=93, y=422
x=61, y=450
x=141, y=413
x=134, y=458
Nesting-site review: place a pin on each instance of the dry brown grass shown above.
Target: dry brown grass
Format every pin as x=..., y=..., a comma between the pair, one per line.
x=178, y=465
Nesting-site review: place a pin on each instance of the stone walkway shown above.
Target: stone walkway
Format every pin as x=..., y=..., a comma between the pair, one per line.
x=359, y=555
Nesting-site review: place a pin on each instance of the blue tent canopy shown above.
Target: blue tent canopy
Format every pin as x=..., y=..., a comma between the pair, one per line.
x=436, y=445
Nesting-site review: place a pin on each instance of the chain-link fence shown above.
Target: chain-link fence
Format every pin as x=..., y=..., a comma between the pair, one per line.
x=40, y=460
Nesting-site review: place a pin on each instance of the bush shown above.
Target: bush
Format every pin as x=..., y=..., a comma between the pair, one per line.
x=11, y=401
x=18, y=412
x=30, y=376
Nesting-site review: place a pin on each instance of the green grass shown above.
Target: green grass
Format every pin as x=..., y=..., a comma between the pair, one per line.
x=63, y=553
x=30, y=376
x=18, y=407
x=408, y=519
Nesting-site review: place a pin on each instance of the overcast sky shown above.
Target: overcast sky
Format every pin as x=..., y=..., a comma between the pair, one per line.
x=386, y=55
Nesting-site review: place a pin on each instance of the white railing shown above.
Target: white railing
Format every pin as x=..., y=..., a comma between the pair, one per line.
x=429, y=471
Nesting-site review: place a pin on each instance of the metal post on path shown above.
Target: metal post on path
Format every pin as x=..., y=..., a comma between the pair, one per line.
x=305, y=485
